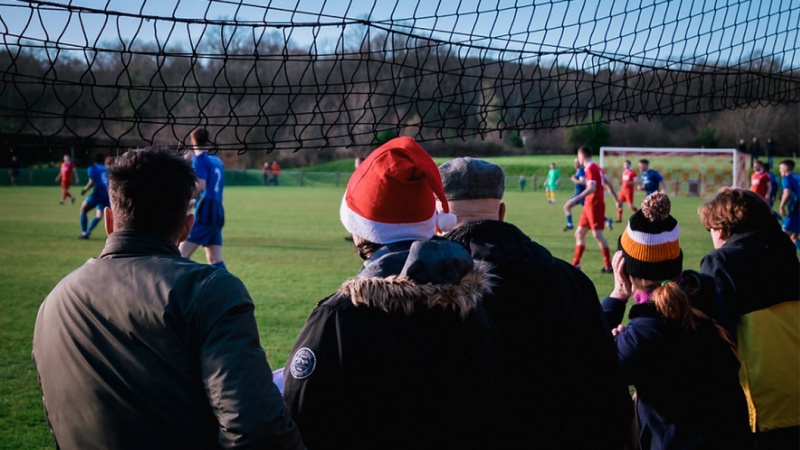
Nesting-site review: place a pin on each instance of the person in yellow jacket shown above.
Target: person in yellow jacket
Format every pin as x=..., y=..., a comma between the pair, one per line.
x=757, y=273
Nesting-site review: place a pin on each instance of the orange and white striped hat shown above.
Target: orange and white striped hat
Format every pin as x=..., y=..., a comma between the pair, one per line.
x=650, y=242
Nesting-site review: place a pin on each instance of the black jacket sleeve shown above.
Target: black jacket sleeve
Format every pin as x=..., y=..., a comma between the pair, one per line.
x=310, y=390
x=236, y=375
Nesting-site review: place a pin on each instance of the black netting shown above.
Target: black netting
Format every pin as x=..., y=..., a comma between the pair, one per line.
x=313, y=74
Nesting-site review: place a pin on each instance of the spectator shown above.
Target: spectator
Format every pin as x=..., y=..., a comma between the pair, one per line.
x=276, y=171
x=141, y=348
x=742, y=147
x=400, y=357
x=14, y=170
x=562, y=349
x=265, y=172
x=683, y=365
x=756, y=270
x=770, y=148
x=755, y=151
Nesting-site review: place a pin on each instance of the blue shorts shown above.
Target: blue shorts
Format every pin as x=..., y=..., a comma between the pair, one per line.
x=96, y=201
x=205, y=235
x=581, y=200
x=792, y=223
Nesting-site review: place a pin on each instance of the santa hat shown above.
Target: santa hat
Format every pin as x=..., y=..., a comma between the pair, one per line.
x=390, y=197
x=650, y=243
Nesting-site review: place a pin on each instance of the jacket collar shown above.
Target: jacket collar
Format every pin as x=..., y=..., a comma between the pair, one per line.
x=136, y=243
x=423, y=274
x=487, y=230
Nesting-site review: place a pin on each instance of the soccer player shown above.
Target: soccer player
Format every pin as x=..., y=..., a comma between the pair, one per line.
x=626, y=191
x=65, y=176
x=760, y=182
x=551, y=183
x=651, y=180
x=98, y=179
x=579, y=180
x=593, y=215
x=790, y=210
x=208, y=211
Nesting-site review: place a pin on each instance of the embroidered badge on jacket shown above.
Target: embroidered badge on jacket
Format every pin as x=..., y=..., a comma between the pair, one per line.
x=303, y=363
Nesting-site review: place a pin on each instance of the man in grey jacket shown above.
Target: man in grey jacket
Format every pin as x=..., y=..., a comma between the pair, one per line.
x=141, y=348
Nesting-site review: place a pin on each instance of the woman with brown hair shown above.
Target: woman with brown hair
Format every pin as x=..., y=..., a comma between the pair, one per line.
x=756, y=270
x=682, y=364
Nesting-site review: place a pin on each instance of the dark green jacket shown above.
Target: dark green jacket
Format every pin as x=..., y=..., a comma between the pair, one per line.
x=141, y=348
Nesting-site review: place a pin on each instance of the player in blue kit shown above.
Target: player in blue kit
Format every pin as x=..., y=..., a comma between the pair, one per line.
x=209, y=215
x=652, y=180
x=790, y=201
x=98, y=199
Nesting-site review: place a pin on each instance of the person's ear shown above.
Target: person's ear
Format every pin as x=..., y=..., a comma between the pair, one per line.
x=108, y=221
x=187, y=227
x=501, y=212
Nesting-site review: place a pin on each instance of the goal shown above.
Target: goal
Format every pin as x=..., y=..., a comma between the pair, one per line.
x=686, y=171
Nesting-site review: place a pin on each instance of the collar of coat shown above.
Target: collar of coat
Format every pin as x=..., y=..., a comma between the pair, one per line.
x=401, y=293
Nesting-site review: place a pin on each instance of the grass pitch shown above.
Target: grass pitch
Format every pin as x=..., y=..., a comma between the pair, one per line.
x=285, y=243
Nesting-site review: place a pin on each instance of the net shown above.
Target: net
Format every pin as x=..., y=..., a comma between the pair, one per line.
x=686, y=171
x=315, y=74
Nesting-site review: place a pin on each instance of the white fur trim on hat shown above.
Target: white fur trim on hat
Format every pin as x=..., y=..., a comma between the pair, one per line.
x=386, y=233
x=446, y=221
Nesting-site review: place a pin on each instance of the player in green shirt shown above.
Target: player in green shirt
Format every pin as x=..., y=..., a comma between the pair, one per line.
x=551, y=183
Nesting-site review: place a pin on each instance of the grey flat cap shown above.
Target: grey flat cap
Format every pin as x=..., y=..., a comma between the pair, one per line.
x=471, y=179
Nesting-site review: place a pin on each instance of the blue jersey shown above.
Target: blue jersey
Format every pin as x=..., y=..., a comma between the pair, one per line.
x=580, y=173
x=650, y=180
x=98, y=173
x=792, y=182
x=208, y=210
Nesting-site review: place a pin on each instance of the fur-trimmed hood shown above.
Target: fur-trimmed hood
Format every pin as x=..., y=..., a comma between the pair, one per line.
x=434, y=274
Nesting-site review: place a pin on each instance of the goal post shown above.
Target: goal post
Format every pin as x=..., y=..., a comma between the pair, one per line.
x=686, y=171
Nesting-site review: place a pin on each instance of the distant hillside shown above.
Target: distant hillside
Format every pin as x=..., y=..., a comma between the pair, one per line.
x=512, y=165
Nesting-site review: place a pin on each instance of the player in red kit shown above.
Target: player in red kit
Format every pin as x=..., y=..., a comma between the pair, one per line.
x=626, y=191
x=760, y=182
x=65, y=176
x=593, y=215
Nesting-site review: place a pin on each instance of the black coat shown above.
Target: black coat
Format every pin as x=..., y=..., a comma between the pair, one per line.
x=400, y=357
x=560, y=383
x=687, y=382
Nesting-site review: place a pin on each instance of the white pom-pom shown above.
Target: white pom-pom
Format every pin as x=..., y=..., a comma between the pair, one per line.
x=446, y=221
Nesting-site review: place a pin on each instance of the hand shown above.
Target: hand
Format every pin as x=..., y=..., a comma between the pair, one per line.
x=783, y=211
x=622, y=284
x=83, y=192
x=618, y=330
x=619, y=204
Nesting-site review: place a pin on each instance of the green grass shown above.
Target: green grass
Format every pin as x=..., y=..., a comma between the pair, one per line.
x=285, y=243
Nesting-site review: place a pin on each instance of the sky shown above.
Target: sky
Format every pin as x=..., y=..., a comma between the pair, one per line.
x=627, y=30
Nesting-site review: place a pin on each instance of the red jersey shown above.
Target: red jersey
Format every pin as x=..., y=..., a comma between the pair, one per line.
x=759, y=182
x=594, y=173
x=628, y=179
x=66, y=172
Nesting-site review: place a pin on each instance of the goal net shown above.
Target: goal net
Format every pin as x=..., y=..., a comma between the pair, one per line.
x=686, y=171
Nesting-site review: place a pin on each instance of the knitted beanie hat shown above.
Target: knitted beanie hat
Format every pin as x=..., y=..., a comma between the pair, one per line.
x=390, y=197
x=650, y=244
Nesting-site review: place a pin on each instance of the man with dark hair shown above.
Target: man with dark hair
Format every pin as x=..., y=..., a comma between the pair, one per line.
x=162, y=352
x=555, y=349
x=208, y=211
x=652, y=180
x=98, y=181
